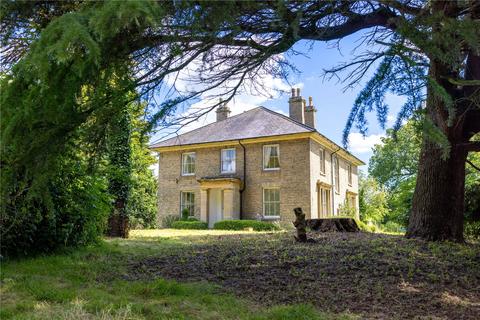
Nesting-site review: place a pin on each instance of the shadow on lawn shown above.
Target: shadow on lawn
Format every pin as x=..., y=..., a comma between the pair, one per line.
x=378, y=276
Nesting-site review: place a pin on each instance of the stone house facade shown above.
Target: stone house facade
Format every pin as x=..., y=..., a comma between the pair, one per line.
x=257, y=165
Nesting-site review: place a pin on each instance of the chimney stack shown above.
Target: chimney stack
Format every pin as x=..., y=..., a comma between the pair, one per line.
x=296, y=106
x=310, y=112
x=223, y=111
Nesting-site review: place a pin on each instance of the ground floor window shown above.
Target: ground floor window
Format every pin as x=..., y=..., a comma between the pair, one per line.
x=352, y=201
x=187, y=201
x=271, y=202
x=324, y=198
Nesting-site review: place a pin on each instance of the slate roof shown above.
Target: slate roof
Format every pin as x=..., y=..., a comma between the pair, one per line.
x=255, y=123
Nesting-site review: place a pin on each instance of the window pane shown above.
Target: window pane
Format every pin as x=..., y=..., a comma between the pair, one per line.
x=228, y=160
x=188, y=163
x=187, y=202
x=271, y=157
x=271, y=202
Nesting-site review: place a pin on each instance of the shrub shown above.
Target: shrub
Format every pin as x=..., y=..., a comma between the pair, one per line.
x=364, y=227
x=185, y=214
x=168, y=220
x=73, y=212
x=243, y=224
x=196, y=225
x=392, y=226
x=472, y=230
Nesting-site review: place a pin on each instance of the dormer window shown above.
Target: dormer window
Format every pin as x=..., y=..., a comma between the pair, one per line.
x=228, y=161
x=188, y=164
x=271, y=157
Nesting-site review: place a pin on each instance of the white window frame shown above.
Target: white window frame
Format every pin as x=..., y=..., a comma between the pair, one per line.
x=322, y=161
x=192, y=211
x=336, y=174
x=234, y=165
x=350, y=174
x=194, y=164
x=266, y=217
x=263, y=158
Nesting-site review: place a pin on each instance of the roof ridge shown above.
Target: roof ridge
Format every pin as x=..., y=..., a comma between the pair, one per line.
x=207, y=125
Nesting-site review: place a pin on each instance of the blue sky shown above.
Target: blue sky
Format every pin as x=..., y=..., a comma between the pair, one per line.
x=332, y=101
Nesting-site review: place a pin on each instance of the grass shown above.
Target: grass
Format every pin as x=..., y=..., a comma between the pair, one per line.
x=217, y=274
x=89, y=283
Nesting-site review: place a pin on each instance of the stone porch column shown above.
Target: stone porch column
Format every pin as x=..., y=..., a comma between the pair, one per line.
x=228, y=204
x=204, y=205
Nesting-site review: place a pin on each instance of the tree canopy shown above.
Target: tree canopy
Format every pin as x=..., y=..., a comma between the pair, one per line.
x=65, y=64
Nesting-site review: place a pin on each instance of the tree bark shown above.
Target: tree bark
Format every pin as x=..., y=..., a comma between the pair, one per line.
x=438, y=201
x=301, y=225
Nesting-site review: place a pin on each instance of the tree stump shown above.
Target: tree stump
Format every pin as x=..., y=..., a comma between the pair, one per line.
x=333, y=225
x=300, y=224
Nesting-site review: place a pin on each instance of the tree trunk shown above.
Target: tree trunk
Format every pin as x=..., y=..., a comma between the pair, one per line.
x=438, y=201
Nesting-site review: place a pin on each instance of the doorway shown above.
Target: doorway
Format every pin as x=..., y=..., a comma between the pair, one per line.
x=215, y=210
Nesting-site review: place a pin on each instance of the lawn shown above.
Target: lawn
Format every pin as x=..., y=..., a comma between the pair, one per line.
x=213, y=274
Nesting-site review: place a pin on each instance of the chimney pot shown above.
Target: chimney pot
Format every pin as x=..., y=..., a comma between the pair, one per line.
x=298, y=92
x=293, y=92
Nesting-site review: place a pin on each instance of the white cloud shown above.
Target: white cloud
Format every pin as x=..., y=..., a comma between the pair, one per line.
x=359, y=144
x=391, y=120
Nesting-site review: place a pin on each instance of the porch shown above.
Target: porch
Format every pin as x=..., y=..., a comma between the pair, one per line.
x=219, y=199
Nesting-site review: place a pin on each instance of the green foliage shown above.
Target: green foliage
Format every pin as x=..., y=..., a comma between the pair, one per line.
x=119, y=167
x=168, y=220
x=472, y=187
x=185, y=214
x=373, y=200
x=472, y=230
x=244, y=224
x=346, y=210
x=394, y=165
x=142, y=201
x=196, y=225
x=75, y=216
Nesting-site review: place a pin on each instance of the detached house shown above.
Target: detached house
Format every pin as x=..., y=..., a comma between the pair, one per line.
x=258, y=164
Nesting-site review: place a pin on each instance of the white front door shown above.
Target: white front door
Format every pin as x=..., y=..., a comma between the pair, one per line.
x=214, y=206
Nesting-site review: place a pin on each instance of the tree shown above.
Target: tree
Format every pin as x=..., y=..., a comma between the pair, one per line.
x=372, y=200
x=394, y=165
x=428, y=51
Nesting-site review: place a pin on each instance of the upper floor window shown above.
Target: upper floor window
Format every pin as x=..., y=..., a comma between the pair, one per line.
x=350, y=178
x=271, y=202
x=271, y=157
x=336, y=165
x=188, y=164
x=228, y=161
x=321, y=155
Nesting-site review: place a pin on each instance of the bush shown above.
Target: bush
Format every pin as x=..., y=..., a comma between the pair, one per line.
x=168, y=220
x=185, y=214
x=472, y=230
x=243, y=224
x=392, y=226
x=195, y=225
x=364, y=227
x=73, y=212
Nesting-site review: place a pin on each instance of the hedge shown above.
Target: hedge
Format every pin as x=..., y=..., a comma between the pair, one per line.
x=198, y=225
x=244, y=224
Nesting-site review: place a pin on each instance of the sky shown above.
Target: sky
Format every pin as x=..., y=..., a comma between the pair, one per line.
x=332, y=101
